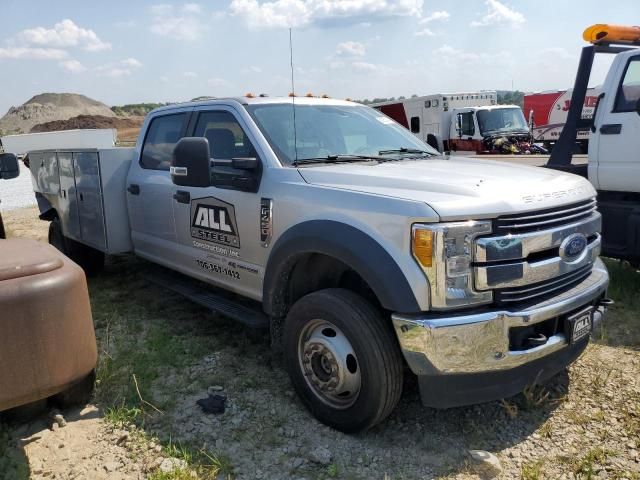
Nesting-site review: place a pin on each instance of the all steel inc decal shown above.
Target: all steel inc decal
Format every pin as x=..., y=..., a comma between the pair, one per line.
x=214, y=221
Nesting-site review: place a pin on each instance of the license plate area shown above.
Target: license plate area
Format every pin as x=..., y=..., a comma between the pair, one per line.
x=579, y=325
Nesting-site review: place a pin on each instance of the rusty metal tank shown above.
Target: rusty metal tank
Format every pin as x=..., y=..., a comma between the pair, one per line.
x=47, y=340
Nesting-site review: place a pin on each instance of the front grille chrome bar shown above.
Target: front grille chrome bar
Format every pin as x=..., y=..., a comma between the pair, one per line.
x=523, y=273
x=520, y=246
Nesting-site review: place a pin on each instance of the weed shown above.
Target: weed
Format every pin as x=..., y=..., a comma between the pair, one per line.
x=511, y=409
x=122, y=416
x=532, y=471
x=332, y=470
x=585, y=466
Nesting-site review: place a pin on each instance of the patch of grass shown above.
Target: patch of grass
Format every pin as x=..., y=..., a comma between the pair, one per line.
x=585, y=467
x=332, y=470
x=532, y=471
x=121, y=416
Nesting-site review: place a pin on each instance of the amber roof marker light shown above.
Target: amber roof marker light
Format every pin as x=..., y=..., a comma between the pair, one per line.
x=604, y=33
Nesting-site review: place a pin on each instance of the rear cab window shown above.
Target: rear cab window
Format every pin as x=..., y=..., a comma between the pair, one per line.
x=162, y=135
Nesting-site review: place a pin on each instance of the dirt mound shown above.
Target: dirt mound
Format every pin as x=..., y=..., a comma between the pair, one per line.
x=128, y=127
x=48, y=107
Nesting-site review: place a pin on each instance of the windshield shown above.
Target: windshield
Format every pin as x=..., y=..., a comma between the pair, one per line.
x=333, y=130
x=501, y=120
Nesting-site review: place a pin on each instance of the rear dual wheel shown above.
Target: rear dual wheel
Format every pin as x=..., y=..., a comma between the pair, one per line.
x=343, y=359
x=90, y=259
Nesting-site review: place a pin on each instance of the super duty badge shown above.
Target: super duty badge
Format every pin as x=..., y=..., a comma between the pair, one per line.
x=213, y=220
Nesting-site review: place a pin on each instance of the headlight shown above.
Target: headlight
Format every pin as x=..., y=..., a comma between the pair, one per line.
x=445, y=252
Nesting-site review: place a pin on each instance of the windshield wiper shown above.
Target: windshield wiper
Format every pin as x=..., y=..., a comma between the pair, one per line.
x=335, y=159
x=404, y=150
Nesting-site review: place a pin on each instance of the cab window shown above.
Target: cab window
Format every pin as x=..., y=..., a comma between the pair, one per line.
x=468, y=128
x=629, y=89
x=226, y=137
x=162, y=136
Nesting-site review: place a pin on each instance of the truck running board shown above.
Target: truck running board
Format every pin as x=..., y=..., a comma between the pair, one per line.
x=202, y=294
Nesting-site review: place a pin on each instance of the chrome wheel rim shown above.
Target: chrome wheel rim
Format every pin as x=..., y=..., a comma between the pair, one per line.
x=329, y=364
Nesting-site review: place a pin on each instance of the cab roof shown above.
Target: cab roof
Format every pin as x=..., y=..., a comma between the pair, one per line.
x=245, y=101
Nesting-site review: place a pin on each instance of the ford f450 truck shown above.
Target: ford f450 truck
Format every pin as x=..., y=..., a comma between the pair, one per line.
x=355, y=240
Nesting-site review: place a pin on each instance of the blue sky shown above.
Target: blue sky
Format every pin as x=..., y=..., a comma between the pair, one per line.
x=140, y=51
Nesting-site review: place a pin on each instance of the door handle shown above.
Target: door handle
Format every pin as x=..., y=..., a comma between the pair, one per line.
x=133, y=189
x=182, y=197
x=611, y=129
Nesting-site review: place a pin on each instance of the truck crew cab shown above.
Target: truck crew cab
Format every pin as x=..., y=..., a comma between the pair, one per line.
x=360, y=243
x=614, y=139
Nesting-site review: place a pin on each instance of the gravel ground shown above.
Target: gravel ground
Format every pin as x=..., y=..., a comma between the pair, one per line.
x=159, y=354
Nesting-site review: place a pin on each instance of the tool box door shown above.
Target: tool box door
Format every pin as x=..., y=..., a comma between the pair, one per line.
x=89, y=196
x=46, y=166
x=68, y=202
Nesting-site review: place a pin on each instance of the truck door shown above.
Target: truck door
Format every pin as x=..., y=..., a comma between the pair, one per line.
x=616, y=141
x=463, y=131
x=150, y=189
x=218, y=227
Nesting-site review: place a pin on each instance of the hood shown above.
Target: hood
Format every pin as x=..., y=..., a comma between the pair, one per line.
x=457, y=188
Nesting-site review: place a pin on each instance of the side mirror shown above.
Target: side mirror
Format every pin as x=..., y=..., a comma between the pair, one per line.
x=245, y=163
x=459, y=124
x=9, y=167
x=190, y=165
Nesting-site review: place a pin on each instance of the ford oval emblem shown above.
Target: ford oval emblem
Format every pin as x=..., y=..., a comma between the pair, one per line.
x=572, y=247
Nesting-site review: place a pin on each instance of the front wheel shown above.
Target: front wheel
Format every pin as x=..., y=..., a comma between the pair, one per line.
x=343, y=359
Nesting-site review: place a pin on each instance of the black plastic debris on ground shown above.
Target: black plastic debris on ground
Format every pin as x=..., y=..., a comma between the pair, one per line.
x=214, y=403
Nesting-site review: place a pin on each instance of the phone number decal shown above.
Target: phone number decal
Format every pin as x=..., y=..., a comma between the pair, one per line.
x=219, y=269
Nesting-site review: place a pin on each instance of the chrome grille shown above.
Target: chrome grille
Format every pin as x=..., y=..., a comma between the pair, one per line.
x=539, y=290
x=544, y=219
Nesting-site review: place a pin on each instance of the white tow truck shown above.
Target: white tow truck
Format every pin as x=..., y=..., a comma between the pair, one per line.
x=469, y=122
x=614, y=141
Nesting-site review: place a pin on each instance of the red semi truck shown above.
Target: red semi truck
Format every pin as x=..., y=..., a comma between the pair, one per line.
x=549, y=110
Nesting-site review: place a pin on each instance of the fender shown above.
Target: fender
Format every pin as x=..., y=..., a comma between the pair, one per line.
x=349, y=245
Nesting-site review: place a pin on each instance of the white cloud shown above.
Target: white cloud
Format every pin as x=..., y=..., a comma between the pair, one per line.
x=190, y=74
x=64, y=34
x=364, y=66
x=425, y=32
x=435, y=16
x=351, y=49
x=299, y=13
x=123, y=68
x=192, y=8
x=131, y=62
x=453, y=57
x=73, y=66
x=252, y=69
x=499, y=14
x=29, y=53
x=178, y=23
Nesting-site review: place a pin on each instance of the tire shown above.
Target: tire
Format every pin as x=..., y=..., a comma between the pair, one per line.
x=90, y=259
x=317, y=356
x=78, y=394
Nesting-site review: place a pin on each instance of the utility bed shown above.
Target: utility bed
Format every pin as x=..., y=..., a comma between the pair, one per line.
x=87, y=189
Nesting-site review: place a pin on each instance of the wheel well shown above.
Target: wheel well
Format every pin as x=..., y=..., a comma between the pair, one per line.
x=309, y=272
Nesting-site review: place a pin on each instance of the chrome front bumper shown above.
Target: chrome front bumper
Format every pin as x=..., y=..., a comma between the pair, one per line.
x=477, y=343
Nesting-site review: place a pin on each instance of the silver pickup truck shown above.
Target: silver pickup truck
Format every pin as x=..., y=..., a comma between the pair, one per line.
x=364, y=249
